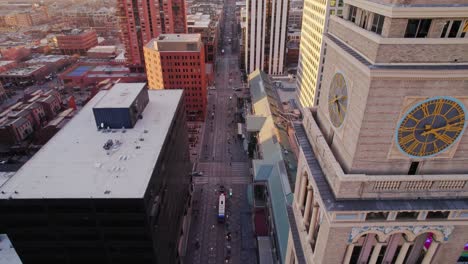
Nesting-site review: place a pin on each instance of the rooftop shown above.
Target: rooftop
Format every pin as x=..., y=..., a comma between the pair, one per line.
x=175, y=42
x=6, y=62
x=103, y=49
x=271, y=168
x=20, y=71
x=178, y=38
x=120, y=96
x=47, y=59
x=74, y=164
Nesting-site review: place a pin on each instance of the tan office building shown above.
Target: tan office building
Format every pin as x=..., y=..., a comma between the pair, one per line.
x=312, y=50
x=382, y=173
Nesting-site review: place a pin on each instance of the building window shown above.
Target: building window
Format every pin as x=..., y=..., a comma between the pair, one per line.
x=407, y=216
x=340, y=2
x=437, y=214
x=333, y=3
x=454, y=29
x=376, y=216
x=413, y=168
x=377, y=24
x=417, y=28
x=444, y=31
x=352, y=13
x=464, y=29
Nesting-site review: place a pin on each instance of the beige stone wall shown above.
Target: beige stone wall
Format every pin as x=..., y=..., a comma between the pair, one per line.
x=365, y=46
x=383, y=110
x=422, y=53
x=331, y=245
x=451, y=251
x=394, y=27
x=346, y=137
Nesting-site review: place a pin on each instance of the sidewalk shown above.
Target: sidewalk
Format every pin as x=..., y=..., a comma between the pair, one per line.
x=196, y=151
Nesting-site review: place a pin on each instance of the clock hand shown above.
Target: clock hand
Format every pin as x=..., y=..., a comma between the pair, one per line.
x=431, y=131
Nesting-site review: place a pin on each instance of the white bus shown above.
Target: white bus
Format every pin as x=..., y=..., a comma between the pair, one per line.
x=221, y=208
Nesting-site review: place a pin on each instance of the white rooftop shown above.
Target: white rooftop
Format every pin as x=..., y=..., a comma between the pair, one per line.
x=22, y=71
x=121, y=95
x=74, y=164
x=6, y=62
x=7, y=252
x=104, y=49
x=47, y=59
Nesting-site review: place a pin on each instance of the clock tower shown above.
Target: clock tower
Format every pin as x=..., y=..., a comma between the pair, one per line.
x=383, y=167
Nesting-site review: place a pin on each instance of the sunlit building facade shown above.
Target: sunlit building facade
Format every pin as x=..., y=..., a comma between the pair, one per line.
x=312, y=49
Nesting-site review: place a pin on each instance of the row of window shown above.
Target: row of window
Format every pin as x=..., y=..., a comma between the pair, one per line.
x=416, y=28
x=431, y=215
x=180, y=57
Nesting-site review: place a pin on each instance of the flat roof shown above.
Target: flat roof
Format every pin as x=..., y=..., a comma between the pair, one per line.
x=106, y=49
x=7, y=252
x=178, y=38
x=48, y=59
x=79, y=71
x=74, y=164
x=21, y=71
x=5, y=62
x=121, y=95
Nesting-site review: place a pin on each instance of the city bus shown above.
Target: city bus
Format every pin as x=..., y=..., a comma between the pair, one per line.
x=221, y=208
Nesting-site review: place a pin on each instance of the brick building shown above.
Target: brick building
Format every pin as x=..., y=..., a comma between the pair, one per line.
x=28, y=116
x=209, y=31
x=178, y=62
x=25, y=75
x=83, y=75
x=76, y=41
x=7, y=65
x=144, y=20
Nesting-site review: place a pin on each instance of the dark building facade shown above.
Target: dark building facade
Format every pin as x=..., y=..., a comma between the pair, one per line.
x=146, y=228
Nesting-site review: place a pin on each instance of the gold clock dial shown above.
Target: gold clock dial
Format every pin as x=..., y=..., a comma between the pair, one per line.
x=431, y=127
x=338, y=100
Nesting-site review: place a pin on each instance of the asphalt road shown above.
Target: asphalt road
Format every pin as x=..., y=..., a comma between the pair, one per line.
x=223, y=162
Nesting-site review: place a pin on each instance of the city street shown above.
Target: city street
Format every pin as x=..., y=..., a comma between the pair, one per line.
x=223, y=162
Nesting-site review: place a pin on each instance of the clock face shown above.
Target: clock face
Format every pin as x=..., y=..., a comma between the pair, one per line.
x=338, y=100
x=431, y=126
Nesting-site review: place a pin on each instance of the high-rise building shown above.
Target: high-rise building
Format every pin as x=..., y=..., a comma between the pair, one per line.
x=265, y=39
x=117, y=191
x=176, y=61
x=141, y=21
x=312, y=48
x=382, y=174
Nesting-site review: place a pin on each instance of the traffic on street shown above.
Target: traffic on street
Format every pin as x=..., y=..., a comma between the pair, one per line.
x=221, y=227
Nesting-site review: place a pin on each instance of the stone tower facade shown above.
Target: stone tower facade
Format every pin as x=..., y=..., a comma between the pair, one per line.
x=383, y=171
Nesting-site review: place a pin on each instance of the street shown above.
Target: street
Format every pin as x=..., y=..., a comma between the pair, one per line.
x=223, y=162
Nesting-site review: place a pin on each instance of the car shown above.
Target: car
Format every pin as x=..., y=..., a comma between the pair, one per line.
x=197, y=173
x=230, y=97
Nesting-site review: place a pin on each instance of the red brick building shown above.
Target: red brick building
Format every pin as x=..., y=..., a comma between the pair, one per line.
x=139, y=24
x=176, y=61
x=84, y=75
x=76, y=41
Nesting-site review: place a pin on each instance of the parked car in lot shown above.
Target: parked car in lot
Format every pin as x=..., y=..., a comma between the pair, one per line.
x=197, y=173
